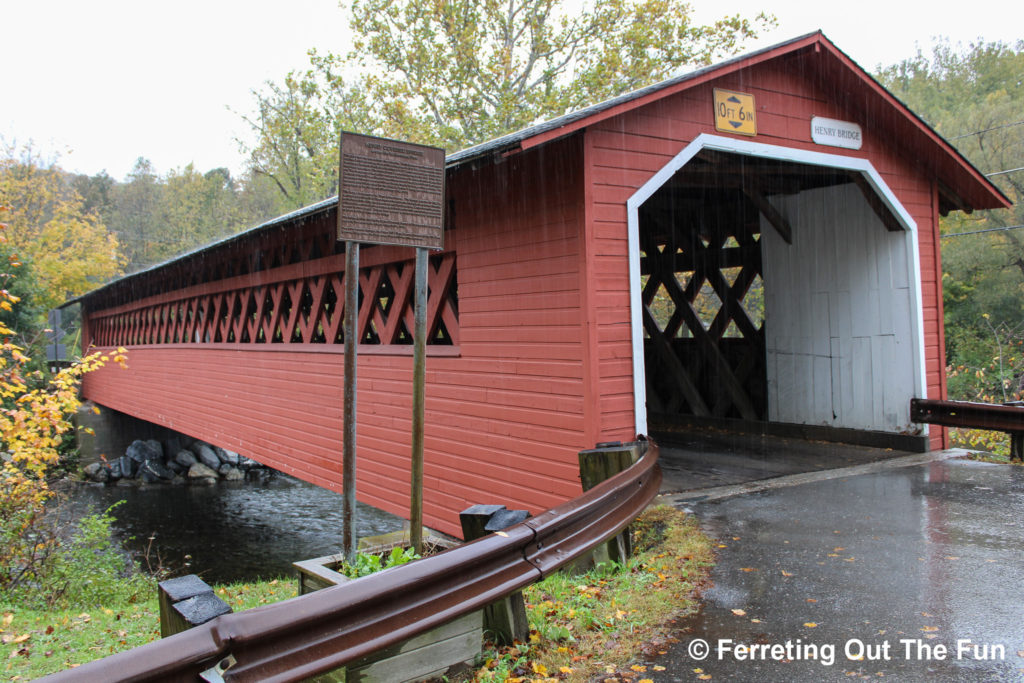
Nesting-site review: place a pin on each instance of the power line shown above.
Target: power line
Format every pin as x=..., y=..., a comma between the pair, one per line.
x=988, y=229
x=1012, y=170
x=979, y=132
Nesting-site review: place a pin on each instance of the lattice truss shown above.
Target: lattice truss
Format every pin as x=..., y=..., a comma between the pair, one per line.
x=703, y=316
x=299, y=310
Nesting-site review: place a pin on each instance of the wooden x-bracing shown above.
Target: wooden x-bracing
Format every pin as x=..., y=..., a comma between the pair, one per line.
x=300, y=310
x=714, y=385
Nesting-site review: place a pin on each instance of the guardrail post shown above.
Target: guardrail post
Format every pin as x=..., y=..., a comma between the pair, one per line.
x=600, y=463
x=185, y=602
x=505, y=619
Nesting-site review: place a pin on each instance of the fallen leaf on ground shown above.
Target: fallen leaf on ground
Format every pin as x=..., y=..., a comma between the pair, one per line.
x=739, y=612
x=748, y=569
x=810, y=624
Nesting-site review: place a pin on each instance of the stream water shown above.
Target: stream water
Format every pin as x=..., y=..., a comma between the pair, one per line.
x=231, y=531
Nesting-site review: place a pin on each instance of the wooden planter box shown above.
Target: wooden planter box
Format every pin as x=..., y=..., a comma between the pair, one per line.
x=428, y=655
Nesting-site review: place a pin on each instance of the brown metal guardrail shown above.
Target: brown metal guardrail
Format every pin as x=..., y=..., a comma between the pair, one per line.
x=309, y=635
x=1002, y=418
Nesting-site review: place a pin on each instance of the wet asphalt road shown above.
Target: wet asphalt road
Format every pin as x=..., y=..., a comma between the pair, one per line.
x=919, y=570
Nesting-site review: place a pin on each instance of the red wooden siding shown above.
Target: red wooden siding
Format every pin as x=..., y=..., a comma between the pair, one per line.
x=623, y=152
x=505, y=408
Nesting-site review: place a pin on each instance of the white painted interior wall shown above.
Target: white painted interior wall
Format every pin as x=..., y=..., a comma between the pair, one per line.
x=838, y=307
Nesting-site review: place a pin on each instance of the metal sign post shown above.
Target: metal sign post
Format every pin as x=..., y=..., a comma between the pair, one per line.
x=348, y=458
x=390, y=192
x=419, y=372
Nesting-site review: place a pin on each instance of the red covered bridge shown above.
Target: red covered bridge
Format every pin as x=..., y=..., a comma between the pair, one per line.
x=756, y=241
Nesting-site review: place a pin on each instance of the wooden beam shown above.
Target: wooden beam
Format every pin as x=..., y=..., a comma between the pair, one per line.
x=674, y=367
x=877, y=205
x=777, y=220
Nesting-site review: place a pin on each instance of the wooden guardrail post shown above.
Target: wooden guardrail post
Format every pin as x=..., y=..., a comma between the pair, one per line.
x=185, y=602
x=600, y=463
x=505, y=619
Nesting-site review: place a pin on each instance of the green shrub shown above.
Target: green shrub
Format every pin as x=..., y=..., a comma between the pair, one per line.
x=85, y=568
x=365, y=565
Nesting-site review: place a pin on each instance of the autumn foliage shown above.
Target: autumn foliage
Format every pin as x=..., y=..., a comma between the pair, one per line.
x=32, y=423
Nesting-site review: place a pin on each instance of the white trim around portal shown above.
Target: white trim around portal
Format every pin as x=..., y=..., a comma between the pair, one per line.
x=779, y=153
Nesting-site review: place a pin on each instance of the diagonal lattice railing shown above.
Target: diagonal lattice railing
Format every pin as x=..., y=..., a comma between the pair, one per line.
x=295, y=304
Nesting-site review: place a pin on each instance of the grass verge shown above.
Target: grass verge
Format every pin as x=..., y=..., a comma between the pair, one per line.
x=37, y=642
x=601, y=622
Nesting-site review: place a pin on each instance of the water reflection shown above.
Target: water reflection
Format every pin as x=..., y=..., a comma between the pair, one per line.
x=232, y=531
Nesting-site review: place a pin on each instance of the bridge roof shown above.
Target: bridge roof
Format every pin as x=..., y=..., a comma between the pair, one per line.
x=962, y=186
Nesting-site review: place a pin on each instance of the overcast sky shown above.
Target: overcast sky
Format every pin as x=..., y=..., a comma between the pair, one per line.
x=101, y=83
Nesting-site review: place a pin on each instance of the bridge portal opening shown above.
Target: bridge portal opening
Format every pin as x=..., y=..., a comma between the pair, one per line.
x=778, y=292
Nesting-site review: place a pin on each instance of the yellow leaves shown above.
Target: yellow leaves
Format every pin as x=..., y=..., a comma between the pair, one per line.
x=810, y=624
x=48, y=223
x=96, y=409
x=639, y=668
x=929, y=629
x=739, y=612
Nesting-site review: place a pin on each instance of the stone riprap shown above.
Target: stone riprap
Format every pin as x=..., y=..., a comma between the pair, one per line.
x=192, y=463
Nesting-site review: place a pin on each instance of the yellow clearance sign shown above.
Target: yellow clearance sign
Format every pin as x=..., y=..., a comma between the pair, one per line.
x=734, y=112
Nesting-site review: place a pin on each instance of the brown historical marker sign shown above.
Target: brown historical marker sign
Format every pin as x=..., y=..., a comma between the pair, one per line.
x=391, y=192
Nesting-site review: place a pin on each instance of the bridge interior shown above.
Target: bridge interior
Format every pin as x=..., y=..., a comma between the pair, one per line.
x=756, y=307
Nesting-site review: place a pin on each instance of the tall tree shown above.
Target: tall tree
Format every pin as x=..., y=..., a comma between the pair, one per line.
x=134, y=215
x=70, y=249
x=459, y=72
x=296, y=126
x=194, y=209
x=975, y=97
